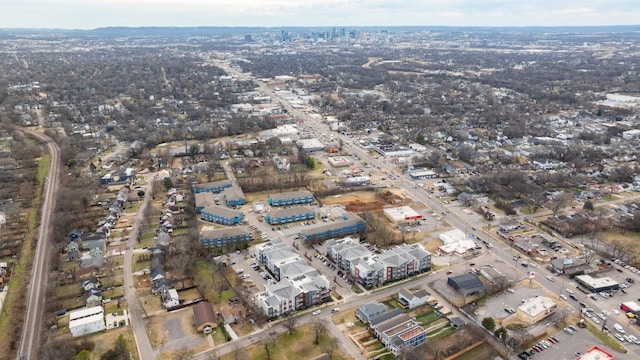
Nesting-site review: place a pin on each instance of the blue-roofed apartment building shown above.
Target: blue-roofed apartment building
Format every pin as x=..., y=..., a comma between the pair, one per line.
x=288, y=215
x=222, y=237
x=349, y=224
x=221, y=215
x=234, y=196
x=214, y=187
x=291, y=198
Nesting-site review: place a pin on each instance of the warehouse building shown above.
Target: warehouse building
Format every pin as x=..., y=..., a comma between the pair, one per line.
x=291, y=198
x=86, y=321
x=467, y=284
x=288, y=215
x=221, y=215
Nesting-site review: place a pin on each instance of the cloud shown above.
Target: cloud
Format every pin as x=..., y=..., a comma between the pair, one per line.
x=96, y=13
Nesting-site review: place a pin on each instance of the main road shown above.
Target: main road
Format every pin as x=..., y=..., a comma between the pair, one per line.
x=30, y=338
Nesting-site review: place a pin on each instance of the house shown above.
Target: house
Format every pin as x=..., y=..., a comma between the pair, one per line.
x=75, y=234
x=369, y=311
x=170, y=298
x=91, y=284
x=86, y=321
x=91, y=259
x=162, y=239
x=205, y=318
x=412, y=300
x=73, y=251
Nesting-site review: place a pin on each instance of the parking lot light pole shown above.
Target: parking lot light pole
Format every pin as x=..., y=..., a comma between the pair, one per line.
x=561, y=288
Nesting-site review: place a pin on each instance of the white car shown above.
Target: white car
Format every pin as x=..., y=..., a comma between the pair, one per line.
x=315, y=313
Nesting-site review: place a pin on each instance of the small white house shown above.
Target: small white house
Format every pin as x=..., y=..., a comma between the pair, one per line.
x=412, y=300
x=86, y=321
x=170, y=298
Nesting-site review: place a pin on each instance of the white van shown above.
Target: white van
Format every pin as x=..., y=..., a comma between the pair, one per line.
x=618, y=328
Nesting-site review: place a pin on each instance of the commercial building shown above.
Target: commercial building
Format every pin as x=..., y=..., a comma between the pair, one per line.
x=596, y=353
x=536, y=309
x=214, y=187
x=310, y=145
x=288, y=215
x=291, y=198
x=339, y=161
x=226, y=236
x=357, y=181
x=349, y=224
x=422, y=174
x=221, y=215
x=630, y=307
x=455, y=242
x=592, y=284
x=86, y=321
x=401, y=214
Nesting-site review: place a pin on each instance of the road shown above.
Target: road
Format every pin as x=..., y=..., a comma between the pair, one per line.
x=30, y=338
x=402, y=181
x=143, y=344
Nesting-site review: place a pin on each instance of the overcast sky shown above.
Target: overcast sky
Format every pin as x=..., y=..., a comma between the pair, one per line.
x=89, y=14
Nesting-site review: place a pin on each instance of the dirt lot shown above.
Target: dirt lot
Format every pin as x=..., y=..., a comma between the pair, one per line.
x=365, y=200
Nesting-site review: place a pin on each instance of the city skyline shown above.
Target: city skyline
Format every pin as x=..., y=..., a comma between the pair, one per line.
x=75, y=14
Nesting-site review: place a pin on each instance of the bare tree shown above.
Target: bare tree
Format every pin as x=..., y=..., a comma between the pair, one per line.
x=329, y=346
x=559, y=202
x=238, y=353
x=319, y=328
x=183, y=353
x=269, y=343
x=290, y=323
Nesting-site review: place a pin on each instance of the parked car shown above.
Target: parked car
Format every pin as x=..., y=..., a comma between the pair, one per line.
x=315, y=313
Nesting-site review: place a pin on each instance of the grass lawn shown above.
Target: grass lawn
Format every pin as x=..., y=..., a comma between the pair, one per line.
x=484, y=351
x=106, y=340
x=441, y=333
x=70, y=290
x=606, y=339
x=298, y=345
x=427, y=318
x=357, y=289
